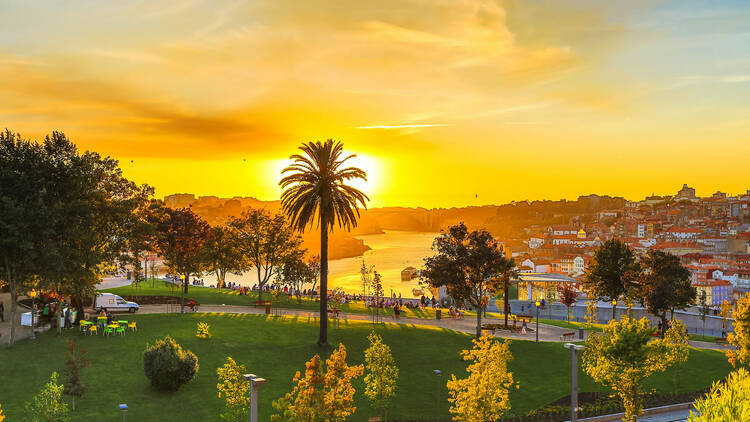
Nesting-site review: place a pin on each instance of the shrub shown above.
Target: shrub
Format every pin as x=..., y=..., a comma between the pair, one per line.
x=727, y=401
x=167, y=366
x=234, y=389
x=2, y=418
x=48, y=405
x=203, y=330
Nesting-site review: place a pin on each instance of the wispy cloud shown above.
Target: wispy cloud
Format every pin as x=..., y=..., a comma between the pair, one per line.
x=223, y=16
x=404, y=126
x=736, y=79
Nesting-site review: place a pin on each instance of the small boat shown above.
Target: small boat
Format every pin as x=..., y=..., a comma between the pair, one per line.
x=417, y=292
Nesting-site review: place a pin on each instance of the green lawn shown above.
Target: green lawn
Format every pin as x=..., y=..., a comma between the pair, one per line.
x=276, y=347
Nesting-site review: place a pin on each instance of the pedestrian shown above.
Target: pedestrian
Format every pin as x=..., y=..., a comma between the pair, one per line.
x=2, y=312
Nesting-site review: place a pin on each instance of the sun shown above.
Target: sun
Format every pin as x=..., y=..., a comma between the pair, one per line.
x=374, y=169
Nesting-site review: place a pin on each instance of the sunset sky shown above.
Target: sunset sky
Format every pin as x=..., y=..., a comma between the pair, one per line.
x=448, y=103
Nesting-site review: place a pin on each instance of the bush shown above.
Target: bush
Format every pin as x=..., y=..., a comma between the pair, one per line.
x=203, y=330
x=48, y=405
x=168, y=366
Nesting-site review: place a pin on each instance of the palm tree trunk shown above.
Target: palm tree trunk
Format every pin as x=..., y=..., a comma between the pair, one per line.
x=323, y=340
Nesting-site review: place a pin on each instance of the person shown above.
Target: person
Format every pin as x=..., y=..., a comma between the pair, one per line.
x=102, y=313
x=2, y=312
x=67, y=317
x=396, y=311
x=523, y=327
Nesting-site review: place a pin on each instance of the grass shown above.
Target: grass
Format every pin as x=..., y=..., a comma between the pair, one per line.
x=276, y=347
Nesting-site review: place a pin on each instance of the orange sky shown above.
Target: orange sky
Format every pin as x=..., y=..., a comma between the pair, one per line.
x=448, y=102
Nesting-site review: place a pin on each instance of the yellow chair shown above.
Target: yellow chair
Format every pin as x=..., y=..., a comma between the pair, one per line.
x=93, y=330
x=132, y=326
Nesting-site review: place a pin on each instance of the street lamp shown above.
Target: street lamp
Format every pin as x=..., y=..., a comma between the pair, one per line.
x=537, y=303
x=33, y=294
x=437, y=373
x=123, y=409
x=574, y=349
x=614, y=309
x=255, y=383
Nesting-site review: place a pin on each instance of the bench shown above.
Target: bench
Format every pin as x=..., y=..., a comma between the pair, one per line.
x=720, y=340
x=491, y=327
x=565, y=336
x=261, y=303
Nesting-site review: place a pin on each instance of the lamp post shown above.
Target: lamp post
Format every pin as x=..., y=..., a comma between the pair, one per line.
x=255, y=383
x=614, y=309
x=33, y=294
x=574, y=349
x=123, y=408
x=537, y=303
x=438, y=374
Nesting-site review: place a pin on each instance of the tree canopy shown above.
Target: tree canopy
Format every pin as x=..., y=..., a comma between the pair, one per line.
x=469, y=264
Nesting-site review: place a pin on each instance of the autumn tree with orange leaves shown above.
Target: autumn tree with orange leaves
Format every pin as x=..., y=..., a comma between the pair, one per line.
x=321, y=394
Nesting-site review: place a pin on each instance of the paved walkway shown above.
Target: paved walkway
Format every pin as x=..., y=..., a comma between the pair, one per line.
x=468, y=325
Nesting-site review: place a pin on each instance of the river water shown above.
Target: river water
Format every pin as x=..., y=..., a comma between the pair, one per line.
x=391, y=252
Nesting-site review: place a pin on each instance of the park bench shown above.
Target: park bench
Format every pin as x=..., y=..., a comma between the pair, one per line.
x=335, y=312
x=720, y=339
x=565, y=336
x=491, y=327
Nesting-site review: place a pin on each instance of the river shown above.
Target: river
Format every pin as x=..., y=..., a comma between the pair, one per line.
x=391, y=252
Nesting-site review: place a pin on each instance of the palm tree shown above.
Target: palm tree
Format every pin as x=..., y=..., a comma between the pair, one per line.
x=316, y=187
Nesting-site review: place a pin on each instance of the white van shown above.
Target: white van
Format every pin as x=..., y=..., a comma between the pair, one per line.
x=112, y=303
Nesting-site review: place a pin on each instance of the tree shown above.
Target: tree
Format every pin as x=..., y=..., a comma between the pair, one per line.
x=740, y=337
x=180, y=241
x=316, y=190
x=265, y=243
x=296, y=273
x=382, y=374
x=321, y=395
x=626, y=353
x=508, y=273
x=727, y=401
x=468, y=264
x=314, y=264
x=665, y=285
x=703, y=308
x=376, y=287
x=48, y=405
x=612, y=273
x=568, y=295
x=222, y=254
x=73, y=386
x=483, y=394
x=725, y=311
x=365, y=273
x=24, y=215
x=234, y=389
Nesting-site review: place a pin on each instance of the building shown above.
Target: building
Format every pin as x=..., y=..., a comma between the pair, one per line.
x=538, y=286
x=686, y=193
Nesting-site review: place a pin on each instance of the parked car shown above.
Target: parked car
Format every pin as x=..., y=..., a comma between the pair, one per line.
x=112, y=303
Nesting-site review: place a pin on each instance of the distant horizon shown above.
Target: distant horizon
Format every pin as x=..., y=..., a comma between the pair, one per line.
x=729, y=194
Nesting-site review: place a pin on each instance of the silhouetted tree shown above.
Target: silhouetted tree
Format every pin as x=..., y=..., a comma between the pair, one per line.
x=613, y=272
x=265, y=243
x=665, y=285
x=180, y=241
x=468, y=264
x=316, y=191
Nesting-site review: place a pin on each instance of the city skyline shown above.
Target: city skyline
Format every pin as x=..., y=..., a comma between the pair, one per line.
x=446, y=103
